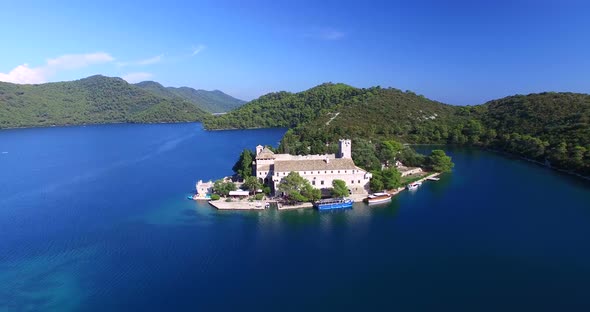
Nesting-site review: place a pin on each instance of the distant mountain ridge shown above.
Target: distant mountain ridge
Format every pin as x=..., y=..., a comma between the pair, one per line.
x=211, y=101
x=92, y=100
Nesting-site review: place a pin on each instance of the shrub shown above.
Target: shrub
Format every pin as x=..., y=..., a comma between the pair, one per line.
x=215, y=197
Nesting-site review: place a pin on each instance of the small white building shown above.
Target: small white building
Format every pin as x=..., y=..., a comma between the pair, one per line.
x=204, y=189
x=319, y=170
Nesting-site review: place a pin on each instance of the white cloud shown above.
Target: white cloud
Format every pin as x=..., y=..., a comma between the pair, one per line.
x=198, y=49
x=73, y=61
x=137, y=77
x=25, y=74
x=151, y=60
x=331, y=34
x=326, y=34
x=143, y=62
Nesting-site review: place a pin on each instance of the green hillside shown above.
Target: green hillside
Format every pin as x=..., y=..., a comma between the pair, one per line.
x=552, y=128
x=284, y=109
x=210, y=101
x=95, y=99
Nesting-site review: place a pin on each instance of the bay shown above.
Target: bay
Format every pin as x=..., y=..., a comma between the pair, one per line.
x=95, y=218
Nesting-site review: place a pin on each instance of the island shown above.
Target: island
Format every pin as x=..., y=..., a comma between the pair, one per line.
x=326, y=181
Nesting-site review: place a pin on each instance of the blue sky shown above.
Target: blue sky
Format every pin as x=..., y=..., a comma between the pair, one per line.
x=457, y=52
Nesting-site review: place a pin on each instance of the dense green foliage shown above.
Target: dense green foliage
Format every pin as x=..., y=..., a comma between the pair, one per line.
x=215, y=197
x=547, y=127
x=209, y=101
x=284, y=109
x=339, y=188
x=243, y=166
x=386, y=179
x=552, y=128
x=252, y=184
x=298, y=189
x=438, y=161
x=95, y=99
x=223, y=188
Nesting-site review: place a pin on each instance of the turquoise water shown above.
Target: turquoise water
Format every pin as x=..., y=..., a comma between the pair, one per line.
x=95, y=218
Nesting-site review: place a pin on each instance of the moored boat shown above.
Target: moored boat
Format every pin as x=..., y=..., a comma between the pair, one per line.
x=433, y=179
x=413, y=186
x=378, y=198
x=333, y=203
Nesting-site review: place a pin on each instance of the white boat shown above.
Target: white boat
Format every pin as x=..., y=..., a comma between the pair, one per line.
x=378, y=198
x=413, y=186
x=433, y=179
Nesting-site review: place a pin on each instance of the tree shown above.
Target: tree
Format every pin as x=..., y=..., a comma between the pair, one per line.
x=440, y=162
x=252, y=184
x=243, y=167
x=310, y=192
x=339, y=188
x=388, y=151
x=298, y=189
x=411, y=158
x=392, y=178
x=223, y=188
x=376, y=183
x=364, y=154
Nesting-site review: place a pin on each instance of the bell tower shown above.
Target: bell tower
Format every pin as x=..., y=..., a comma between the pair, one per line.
x=344, y=149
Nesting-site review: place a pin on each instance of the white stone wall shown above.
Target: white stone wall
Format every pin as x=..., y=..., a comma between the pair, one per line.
x=356, y=180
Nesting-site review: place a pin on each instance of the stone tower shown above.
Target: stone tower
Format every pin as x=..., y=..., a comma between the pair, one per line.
x=344, y=149
x=259, y=149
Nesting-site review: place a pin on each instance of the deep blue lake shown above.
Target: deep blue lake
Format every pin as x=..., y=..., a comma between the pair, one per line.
x=95, y=218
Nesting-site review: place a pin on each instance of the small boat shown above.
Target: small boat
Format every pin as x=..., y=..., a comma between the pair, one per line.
x=413, y=186
x=191, y=197
x=378, y=198
x=433, y=179
x=333, y=203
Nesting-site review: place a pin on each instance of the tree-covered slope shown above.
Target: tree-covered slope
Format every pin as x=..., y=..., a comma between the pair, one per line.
x=551, y=128
x=210, y=101
x=284, y=109
x=377, y=114
x=95, y=99
x=550, y=116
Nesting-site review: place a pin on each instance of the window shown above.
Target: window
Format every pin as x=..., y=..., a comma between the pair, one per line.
x=359, y=181
x=351, y=181
x=304, y=172
x=338, y=171
x=313, y=182
x=332, y=171
x=322, y=182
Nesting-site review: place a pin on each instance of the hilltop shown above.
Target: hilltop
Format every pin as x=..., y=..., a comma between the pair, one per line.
x=96, y=99
x=210, y=101
x=284, y=109
x=552, y=128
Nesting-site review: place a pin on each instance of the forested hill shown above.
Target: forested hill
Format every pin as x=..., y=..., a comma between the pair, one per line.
x=96, y=99
x=549, y=127
x=285, y=109
x=211, y=101
x=552, y=128
x=554, y=117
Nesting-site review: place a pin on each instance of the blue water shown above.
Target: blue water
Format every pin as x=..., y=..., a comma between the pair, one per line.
x=95, y=218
